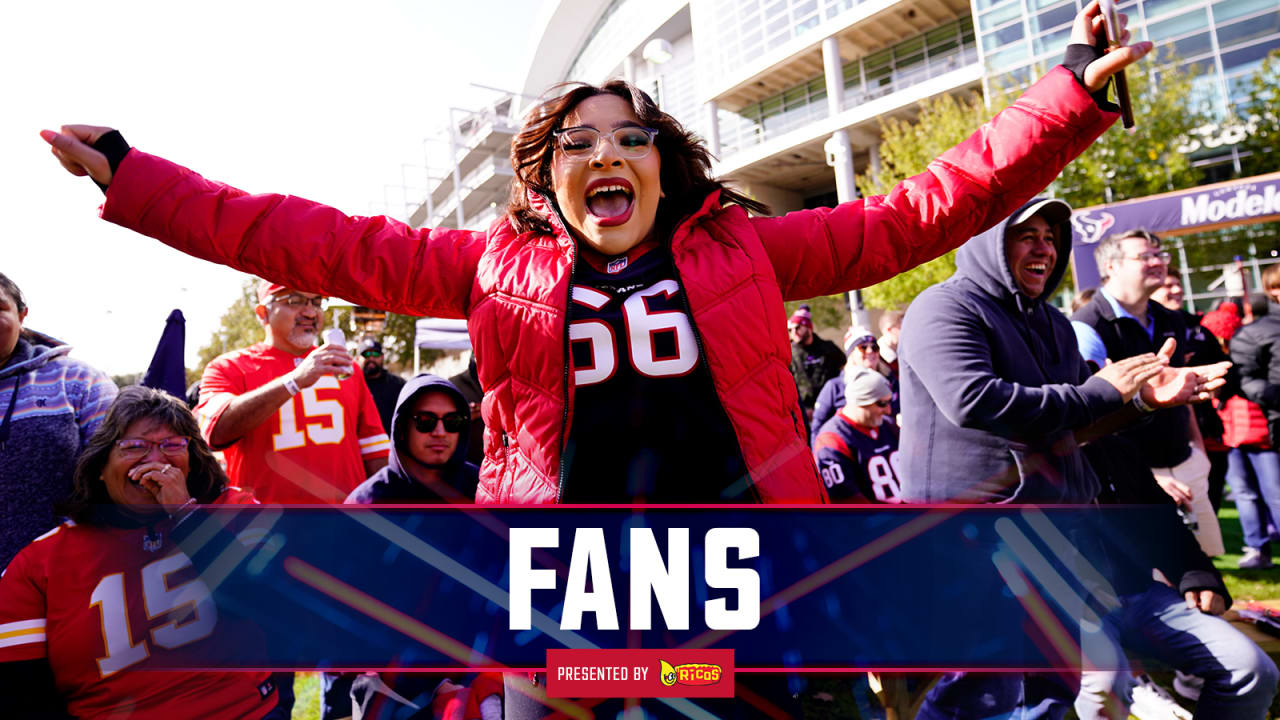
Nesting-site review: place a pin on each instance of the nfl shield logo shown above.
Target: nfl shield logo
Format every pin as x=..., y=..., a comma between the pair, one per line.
x=616, y=266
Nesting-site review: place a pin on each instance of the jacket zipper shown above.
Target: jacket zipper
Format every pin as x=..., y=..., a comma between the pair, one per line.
x=568, y=357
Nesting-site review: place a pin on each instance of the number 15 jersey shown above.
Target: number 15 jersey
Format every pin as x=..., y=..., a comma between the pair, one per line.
x=312, y=450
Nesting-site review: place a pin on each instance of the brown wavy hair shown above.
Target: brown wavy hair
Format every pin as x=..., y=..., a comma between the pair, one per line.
x=205, y=478
x=686, y=164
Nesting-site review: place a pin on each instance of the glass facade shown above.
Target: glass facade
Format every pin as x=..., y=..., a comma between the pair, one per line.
x=743, y=30
x=1219, y=42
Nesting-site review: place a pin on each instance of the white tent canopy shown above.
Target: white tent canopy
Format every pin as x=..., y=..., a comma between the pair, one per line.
x=439, y=334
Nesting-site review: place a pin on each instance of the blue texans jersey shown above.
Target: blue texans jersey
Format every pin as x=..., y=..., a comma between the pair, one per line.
x=647, y=423
x=858, y=465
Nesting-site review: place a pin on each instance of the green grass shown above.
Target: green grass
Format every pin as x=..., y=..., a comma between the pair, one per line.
x=307, y=691
x=1244, y=585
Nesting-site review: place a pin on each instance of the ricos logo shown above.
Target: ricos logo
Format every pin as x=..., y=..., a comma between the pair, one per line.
x=689, y=673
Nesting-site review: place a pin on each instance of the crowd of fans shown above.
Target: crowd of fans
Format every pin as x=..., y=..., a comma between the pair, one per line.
x=626, y=317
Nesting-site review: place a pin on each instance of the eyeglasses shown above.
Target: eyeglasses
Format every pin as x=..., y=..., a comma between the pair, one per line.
x=883, y=403
x=1147, y=258
x=297, y=301
x=371, y=354
x=631, y=142
x=137, y=447
x=872, y=347
x=426, y=422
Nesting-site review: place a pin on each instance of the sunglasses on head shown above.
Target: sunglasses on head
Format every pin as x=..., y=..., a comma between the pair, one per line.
x=426, y=422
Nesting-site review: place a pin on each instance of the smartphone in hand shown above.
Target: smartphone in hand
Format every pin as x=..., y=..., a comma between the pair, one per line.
x=1111, y=24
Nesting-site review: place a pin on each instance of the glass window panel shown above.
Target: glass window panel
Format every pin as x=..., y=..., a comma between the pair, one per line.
x=796, y=97
x=1156, y=8
x=875, y=60
x=1231, y=9
x=806, y=8
x=776, y=25
x=1005, y=58
x=1055, y=41
x=1000, y=16
x=1003, y=36
x=1189, y=47
x=946, y=33
x=1252, y=54
x=1250, y=29
x=1180, y=25
x=1050, y=19
x=986, y=4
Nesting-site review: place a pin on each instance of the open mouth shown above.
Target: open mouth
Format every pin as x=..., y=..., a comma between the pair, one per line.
x=1037, y=269
x=610, y=201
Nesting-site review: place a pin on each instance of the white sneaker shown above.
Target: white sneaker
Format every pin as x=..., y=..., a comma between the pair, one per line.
x=1188, y=685
x=1152, y=702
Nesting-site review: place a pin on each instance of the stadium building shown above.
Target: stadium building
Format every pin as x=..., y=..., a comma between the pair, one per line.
x=788, y=93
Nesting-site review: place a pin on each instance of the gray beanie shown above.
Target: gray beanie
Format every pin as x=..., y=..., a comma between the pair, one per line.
x=863, y=386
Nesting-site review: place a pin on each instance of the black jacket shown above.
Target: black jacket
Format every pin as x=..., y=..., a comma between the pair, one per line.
x=1164, y=438
x=1255, y=350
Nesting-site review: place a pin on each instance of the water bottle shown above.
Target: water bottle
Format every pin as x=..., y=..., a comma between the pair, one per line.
x=335, y=336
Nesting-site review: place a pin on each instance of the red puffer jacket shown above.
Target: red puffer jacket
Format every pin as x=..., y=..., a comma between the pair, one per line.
x=514, y=288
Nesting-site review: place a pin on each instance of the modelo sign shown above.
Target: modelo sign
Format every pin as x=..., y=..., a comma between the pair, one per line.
x=1238, y=202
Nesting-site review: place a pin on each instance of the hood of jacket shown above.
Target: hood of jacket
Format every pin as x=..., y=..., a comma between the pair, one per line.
x=411, y=390
x=393, y=483
x=33, y=351
x=983, y=260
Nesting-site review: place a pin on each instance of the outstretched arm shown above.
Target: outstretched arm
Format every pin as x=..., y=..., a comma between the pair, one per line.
x=373, y=261
x=965, y=191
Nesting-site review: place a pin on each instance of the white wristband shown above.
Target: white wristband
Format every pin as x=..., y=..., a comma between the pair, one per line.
x=291, y=385
x=1141, y=404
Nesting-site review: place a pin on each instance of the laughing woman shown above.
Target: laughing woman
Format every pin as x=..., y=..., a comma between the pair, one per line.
x=627, y=312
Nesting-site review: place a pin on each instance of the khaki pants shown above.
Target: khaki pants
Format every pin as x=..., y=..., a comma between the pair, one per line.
x=1194, y=473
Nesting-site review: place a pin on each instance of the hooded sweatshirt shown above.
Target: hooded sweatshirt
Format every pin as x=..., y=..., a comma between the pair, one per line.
x=394, y=484
x=993, y=387
x=49, y=406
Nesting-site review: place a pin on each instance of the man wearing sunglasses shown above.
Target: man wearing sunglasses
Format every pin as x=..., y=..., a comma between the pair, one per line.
x=384, y=386
x=429, y=449
x=296, y=424
x=856, y=450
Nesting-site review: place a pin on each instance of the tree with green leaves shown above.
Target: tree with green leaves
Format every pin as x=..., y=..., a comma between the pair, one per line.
x=906, y=148
x=1258, y=118
x=1149, y=160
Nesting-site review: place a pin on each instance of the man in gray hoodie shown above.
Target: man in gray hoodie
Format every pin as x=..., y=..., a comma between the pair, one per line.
x=994, y=394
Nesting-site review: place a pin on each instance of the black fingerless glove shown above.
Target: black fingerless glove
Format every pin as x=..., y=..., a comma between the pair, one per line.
x=115, y=148
x=1076, y=59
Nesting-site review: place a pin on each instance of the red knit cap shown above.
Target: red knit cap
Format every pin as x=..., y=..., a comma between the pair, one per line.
x=1221, y=323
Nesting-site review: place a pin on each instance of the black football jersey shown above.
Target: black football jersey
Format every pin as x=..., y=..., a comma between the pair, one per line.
x=647, y=424
x=856, y=466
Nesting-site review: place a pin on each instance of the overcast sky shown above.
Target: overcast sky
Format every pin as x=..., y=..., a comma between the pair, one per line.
x=319, y=99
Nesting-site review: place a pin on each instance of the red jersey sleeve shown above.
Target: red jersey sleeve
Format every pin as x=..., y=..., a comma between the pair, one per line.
x=23, y=609
x=374, y=439
x=219, y=385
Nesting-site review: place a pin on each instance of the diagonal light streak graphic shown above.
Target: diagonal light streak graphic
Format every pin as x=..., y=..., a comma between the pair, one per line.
x=815, y=580
x=1045, y=574
x=1067, y=553
x=1038, y=610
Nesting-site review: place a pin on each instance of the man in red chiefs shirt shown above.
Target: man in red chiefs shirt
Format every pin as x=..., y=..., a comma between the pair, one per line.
x=296, y=422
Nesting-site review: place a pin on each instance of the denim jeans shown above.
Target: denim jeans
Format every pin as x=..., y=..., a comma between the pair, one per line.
x=1240, y=680
x=1256, y=493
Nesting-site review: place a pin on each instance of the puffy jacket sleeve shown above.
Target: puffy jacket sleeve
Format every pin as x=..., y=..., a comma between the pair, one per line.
x=947, y=348
x=373, y=261
x=1251, y=357
x=965, y=191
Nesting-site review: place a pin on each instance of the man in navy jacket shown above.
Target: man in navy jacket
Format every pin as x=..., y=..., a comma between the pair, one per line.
x=994, y=394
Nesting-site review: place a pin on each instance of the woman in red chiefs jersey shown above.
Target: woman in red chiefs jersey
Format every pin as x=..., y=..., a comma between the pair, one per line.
x=105, y=594
x=627, y=312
